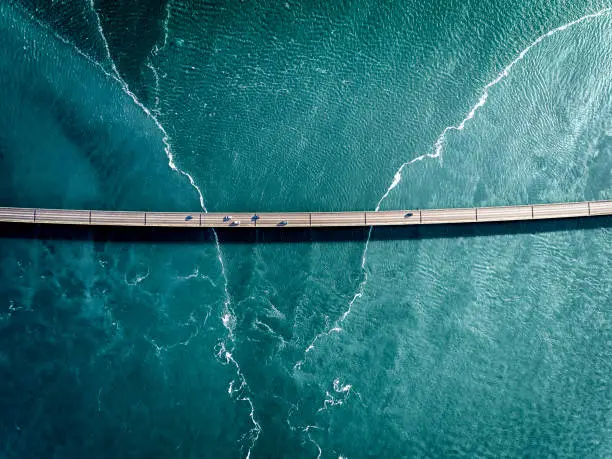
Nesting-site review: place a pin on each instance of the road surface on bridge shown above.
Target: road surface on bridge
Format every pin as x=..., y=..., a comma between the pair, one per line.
x=305, y=219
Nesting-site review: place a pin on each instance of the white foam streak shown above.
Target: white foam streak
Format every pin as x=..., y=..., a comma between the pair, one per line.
x=103, y=37
x=156, y=76
x=506, y=71
x=193, y=275
x=337, y=325
x=330, y=400
x=137, y=279
x=256, y=429
x=396, y=179
x=226, y=358
x=117, y=77
x=165, y=28
x=440, y=141
x=344, y=389
x=155, y=51
x=307, y=430
x=194, y=334
x=228, y=317
x=438, y=148
x=338, y=387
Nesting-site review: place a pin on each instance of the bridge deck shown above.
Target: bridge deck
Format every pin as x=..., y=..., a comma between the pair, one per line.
x=306, y=219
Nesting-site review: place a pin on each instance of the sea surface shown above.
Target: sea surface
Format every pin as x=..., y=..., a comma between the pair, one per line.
x=454, y=341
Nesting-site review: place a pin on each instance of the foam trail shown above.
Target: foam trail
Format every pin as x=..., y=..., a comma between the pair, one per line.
x=103, y=37
x=337, y=325
x=156, y=49
x=137, y=279
x=117, y=77
x=339, y=388
x=226, y=355
x=193, y=275
x=228, y=317
x=438, y=148
x=165, y=26
x=159, y=350
x=439, y=143
x=307, y=430
x=156, y=76
x=437, y=153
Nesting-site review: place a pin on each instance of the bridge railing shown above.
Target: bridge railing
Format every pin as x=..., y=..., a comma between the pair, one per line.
x=306, y=219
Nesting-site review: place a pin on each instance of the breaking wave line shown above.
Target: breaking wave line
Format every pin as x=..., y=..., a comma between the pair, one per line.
x=117, y=77
x=440, y=141
x=307, y=430
x=336, y=328
x=397, y=178
x=156, y=49
x=437, y=153
x=228, y=317
x=103, y=37
x=156, y=76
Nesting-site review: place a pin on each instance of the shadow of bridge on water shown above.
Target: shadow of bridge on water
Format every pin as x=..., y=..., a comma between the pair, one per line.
x=138, y=235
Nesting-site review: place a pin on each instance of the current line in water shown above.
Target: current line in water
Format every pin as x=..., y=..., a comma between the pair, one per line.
x=440, y=141
x=228, y=316
x=438, y=149
x=437, y=153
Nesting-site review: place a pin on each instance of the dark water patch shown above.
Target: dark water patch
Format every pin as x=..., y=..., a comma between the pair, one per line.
x=296, y=235
x=93, y=361
x=132, y=29
x=73, y=137
x=71, y=19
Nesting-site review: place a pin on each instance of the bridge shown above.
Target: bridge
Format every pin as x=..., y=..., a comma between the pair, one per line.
x=305, y=219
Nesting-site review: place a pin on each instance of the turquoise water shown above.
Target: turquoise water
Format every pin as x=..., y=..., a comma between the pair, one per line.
x=463, y=341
